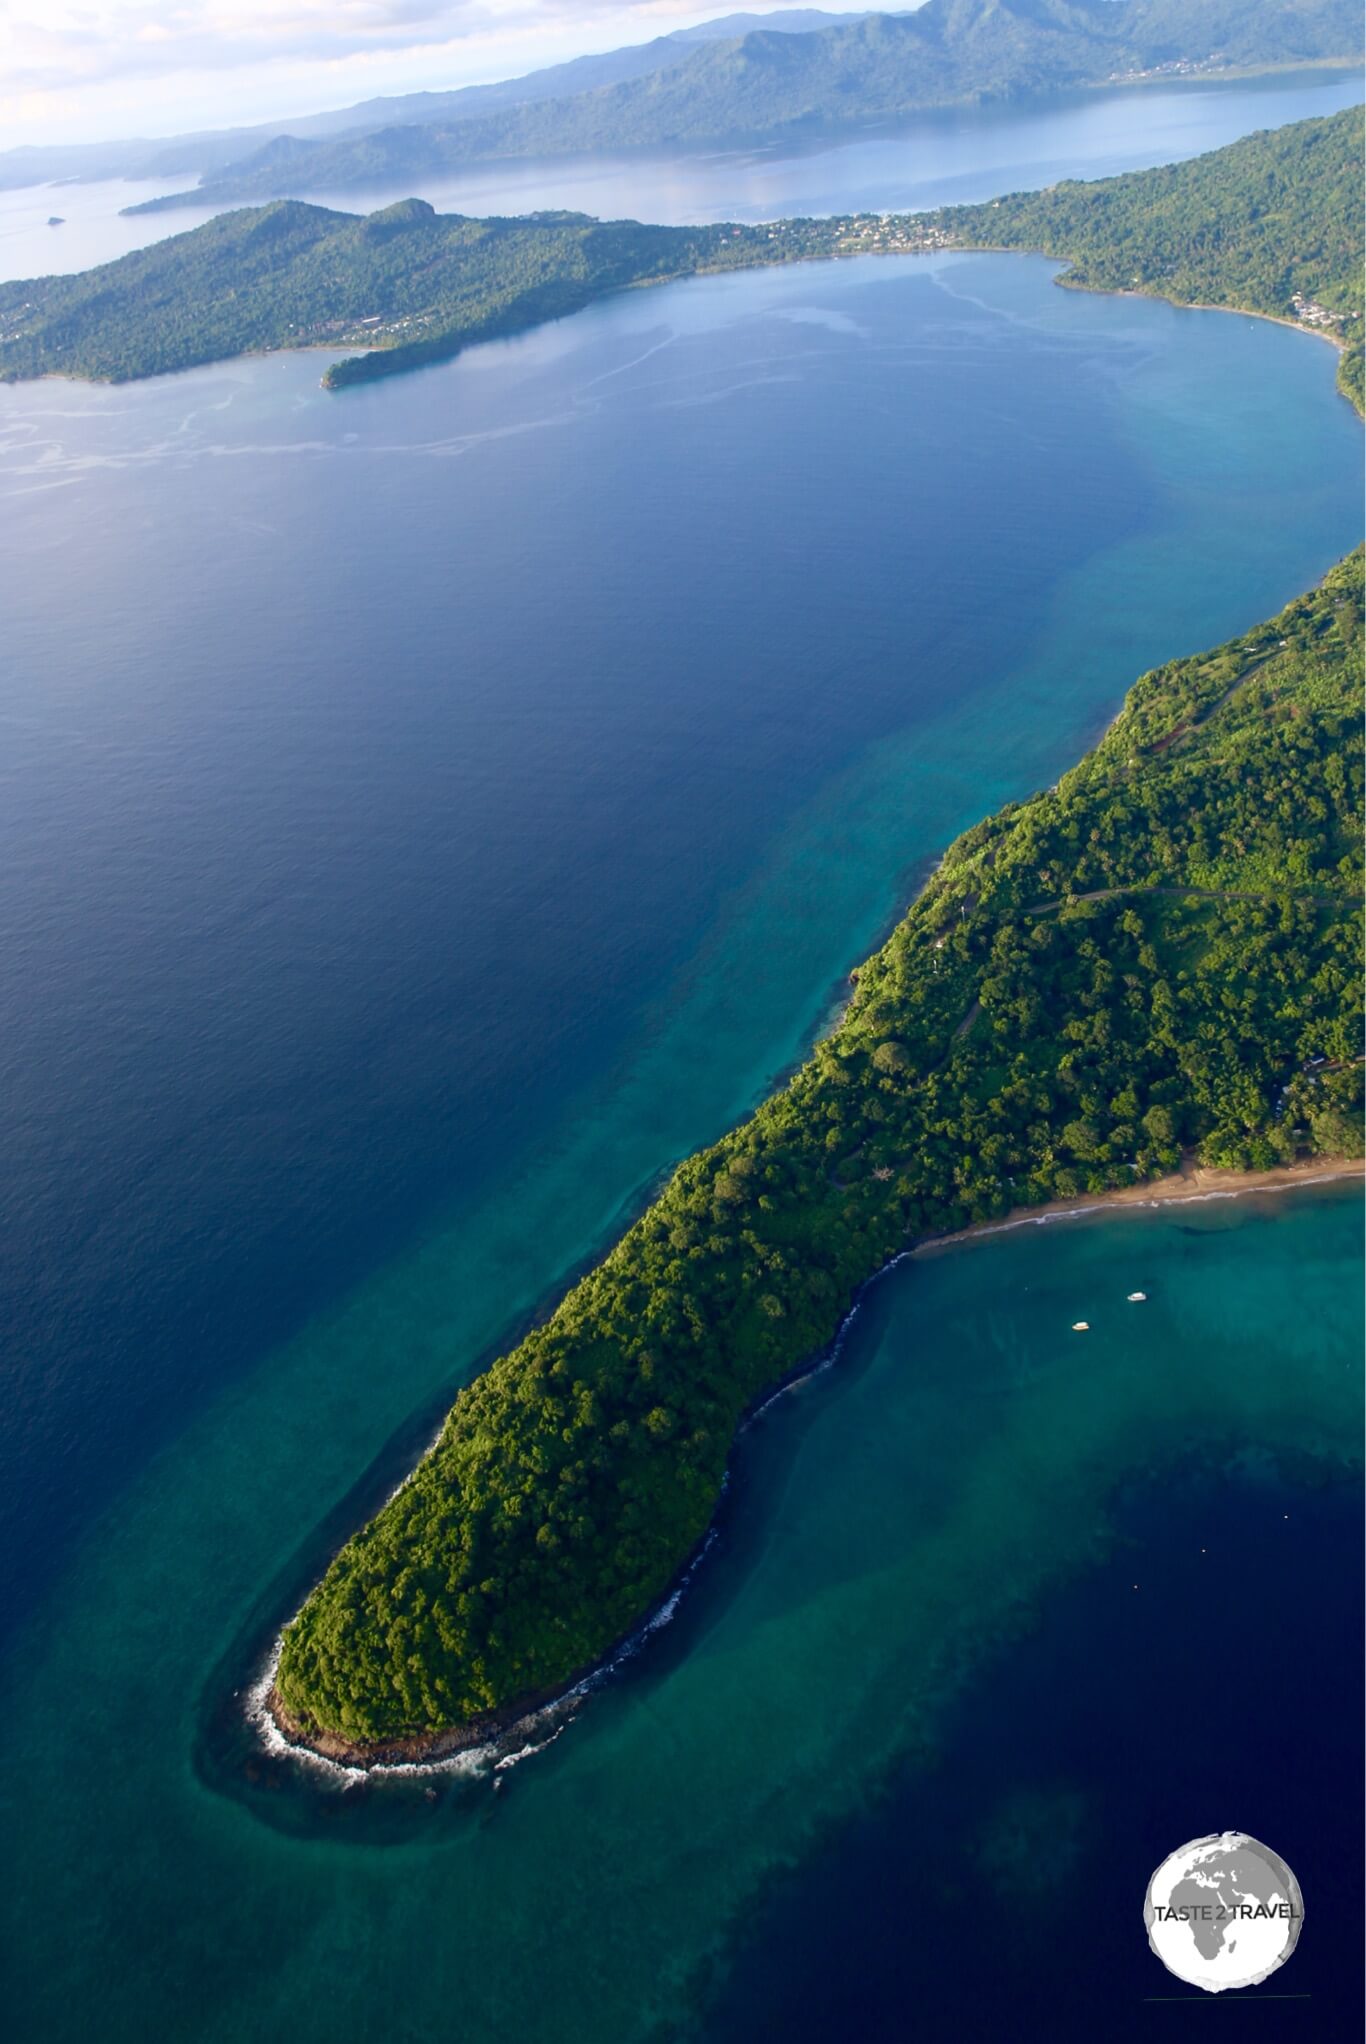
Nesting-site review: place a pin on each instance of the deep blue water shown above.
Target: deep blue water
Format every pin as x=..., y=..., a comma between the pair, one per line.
x=1204, y=1678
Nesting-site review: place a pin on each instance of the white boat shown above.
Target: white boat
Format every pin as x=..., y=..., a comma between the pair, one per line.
x=1081, y=1326
x=1134, y=1297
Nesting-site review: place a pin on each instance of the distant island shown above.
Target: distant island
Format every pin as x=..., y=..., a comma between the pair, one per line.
x=412, y=286
x=766, y=83
x=1161, y=955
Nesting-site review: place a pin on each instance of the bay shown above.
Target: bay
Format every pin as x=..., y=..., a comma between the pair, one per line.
x=1002, y=1867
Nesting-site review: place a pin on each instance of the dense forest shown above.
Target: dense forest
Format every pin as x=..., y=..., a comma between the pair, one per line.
x=1249, y=225
x=408, y=283
x=1161, y=954
x=766, y=83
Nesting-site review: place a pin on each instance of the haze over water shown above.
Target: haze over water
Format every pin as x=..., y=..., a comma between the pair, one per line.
x=428, y=812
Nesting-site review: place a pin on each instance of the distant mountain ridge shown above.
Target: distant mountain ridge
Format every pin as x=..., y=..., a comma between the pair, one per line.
x=209, y=152
x=770, y=83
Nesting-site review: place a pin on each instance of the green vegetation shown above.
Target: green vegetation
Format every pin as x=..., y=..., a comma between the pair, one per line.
x=1163, y=951
x=877, y=68
x=412, y=284
x=1250, y=225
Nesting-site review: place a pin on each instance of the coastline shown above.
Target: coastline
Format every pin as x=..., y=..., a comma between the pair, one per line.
x=538, y=1718
x=541, y=1716
x=1341, y=342
x=515, y=332
x=1295, y=326
x=1066, y=281
x=422, y=1754
x=1192, y=1184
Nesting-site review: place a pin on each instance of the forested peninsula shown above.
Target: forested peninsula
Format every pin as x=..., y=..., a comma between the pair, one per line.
x=1271, y=223
x=1162, y=953
x=407, y=283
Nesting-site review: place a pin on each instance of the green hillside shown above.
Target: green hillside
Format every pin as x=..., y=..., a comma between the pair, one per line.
x=407, y=282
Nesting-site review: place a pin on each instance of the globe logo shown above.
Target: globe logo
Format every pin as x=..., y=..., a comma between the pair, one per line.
x=1223, y=1912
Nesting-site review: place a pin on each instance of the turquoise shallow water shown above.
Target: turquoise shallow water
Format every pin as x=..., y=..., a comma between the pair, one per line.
x=1190, y=1678
x=810, y=570
x=897, y=1522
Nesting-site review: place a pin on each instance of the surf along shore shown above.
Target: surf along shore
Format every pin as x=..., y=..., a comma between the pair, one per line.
x=538, y=1717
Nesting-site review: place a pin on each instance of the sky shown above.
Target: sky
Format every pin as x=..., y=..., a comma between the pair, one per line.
x=91, y=70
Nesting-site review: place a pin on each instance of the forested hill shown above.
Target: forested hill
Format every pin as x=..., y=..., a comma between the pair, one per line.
x=407, y=282
x=1163, y=951
x=1271, y=218
x=770, y=84
x=1249, y=225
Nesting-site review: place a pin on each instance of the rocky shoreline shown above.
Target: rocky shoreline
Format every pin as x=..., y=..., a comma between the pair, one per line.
x=532, y=1716
x=421, y=1751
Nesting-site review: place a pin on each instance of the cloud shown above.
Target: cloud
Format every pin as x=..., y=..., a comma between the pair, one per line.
x=49, y=46
x=86, y=70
